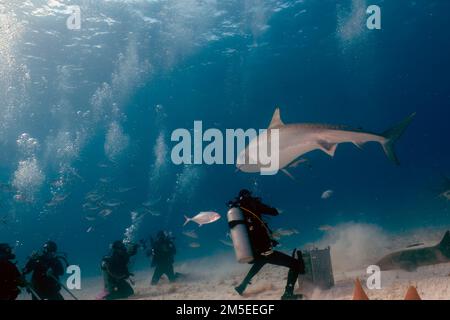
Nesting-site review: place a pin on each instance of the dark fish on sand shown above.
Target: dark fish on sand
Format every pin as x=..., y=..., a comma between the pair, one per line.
x=411, y=259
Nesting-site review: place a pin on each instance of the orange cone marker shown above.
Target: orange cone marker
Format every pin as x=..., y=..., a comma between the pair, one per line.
x=412, y=294
x=358, y=291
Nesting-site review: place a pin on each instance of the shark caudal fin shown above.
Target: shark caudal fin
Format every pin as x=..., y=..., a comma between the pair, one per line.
x=444, y=245
x=186, y=221
x=392, y=135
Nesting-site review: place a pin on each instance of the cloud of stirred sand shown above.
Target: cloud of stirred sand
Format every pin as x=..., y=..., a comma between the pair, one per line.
x=358, y=245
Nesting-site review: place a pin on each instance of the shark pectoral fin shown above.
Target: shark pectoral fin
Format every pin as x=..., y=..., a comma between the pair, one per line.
x=288, y=174
x=327, y=147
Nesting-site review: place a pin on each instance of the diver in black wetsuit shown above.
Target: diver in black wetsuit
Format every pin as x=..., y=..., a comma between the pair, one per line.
x=262, y=243
x=47, y=268
x=10, y=278
x=115, y=271
x=163, y=252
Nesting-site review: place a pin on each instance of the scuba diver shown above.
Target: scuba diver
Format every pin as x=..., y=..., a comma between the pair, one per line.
x=10, y=278
x=115, y=271
x=262, y=243
x=163, y=252
x=46, y=268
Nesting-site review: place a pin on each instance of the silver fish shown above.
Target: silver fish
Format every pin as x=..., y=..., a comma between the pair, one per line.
x=325, y=228
x=326, y=194
x=203, y=218
x=277, y=234
x=191, y=234
x=105, y=212
x=111, y=203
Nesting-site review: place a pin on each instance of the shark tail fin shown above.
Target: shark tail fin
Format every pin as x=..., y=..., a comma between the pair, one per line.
x=444, y=245
x=186, y=221
x=392, y=135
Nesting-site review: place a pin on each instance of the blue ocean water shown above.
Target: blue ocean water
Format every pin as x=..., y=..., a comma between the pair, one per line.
x=98, y=105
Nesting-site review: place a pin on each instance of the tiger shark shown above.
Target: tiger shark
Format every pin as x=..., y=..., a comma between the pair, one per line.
x=297, y=139
x=411, y=259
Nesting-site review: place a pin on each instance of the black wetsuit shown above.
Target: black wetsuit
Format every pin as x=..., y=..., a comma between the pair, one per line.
x=46, y=270
x=163, y=257
x=116, y=274
x=10, y=280
x=262, y=244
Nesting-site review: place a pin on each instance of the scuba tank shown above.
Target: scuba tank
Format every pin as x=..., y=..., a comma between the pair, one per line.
x=239, y=235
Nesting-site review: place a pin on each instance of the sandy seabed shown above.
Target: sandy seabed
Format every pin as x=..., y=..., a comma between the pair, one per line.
x=432, y=282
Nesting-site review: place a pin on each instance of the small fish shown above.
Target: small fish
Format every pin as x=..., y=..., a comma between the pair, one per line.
x=325, y=228
x=203, y=218
x=20, y=198
x=93, y=197
x=106, y=180
x=125, y=189
x=51, y=204
x=227, y=243
x=194, y=245
x=327, y=194
x=277, y=234
x=56, y=200
x=191, y=234
x=112, y=203
x=90, y=206
x=446, y=195
x=90, y=229
x=90, y=218
x=151, y=203
x=60, y=198
x=105, y=212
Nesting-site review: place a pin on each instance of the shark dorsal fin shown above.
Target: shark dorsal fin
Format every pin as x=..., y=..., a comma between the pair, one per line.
x=276, y=120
